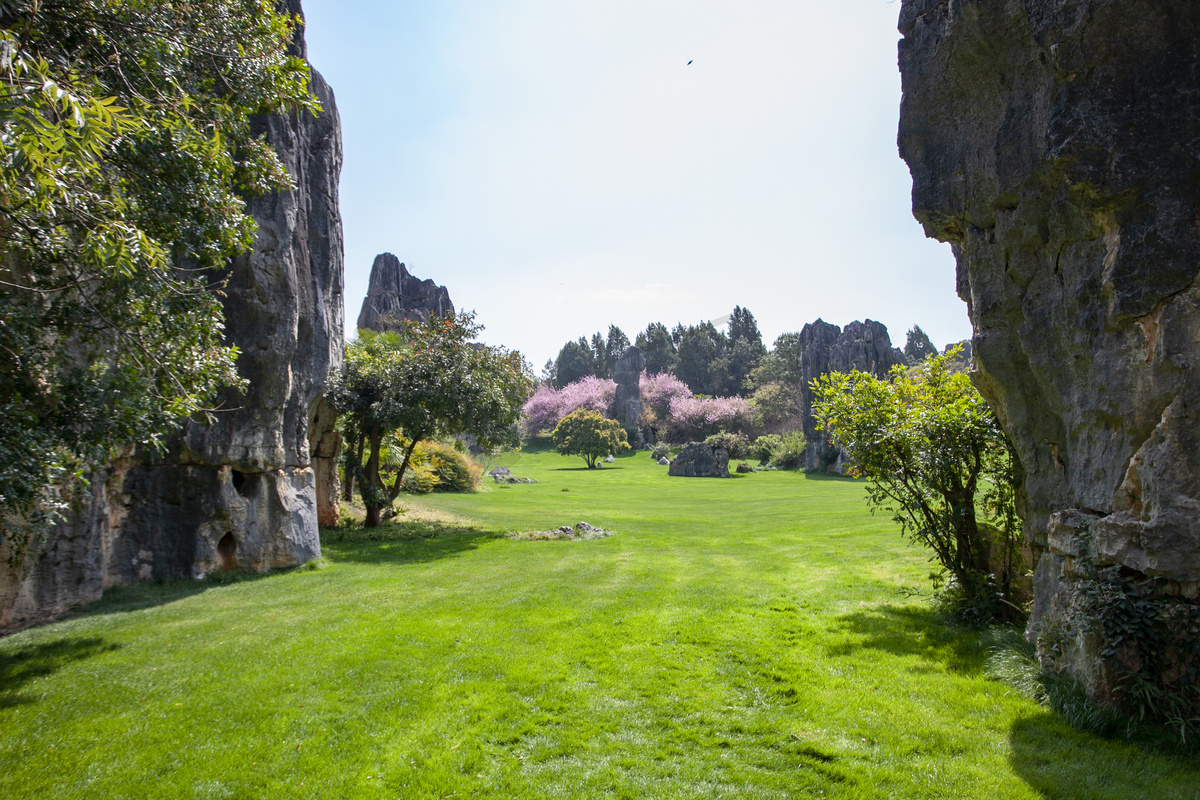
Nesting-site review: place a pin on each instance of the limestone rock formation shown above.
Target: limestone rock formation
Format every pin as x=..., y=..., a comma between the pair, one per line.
x=246, y=491
x=394, y=295
x=627, y=373
x=825, y=348
x=1055, y=144
x=700, y=460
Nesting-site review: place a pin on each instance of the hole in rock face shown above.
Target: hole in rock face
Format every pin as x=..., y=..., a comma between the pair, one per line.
x=227, y=552
x=241, y=482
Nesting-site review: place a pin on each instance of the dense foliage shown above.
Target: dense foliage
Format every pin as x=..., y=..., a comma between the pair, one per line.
x=126, y=148
x=429, y=382
x=589, y=435
x=934, y=456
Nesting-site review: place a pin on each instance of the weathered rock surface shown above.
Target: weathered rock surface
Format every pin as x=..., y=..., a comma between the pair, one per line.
x=744, y=468
x=246, y=491
x=394, y=295
x=1056, y=146
x=664, y=461
x=700, y=460
x=826, y=348
x=627, y=401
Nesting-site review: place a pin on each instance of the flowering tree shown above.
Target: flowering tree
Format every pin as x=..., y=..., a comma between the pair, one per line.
x=694, y=418
x=549, y=405
x=658, y=390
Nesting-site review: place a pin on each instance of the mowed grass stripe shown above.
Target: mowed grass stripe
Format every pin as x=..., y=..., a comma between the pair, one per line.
x=736, y=638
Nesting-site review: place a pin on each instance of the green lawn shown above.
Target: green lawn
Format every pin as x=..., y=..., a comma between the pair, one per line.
x=736, y=638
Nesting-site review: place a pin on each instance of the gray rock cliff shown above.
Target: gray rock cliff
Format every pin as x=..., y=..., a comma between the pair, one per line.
x=826, y=348
x=1055, y=144
x=246, y=491
x=627, y=400
x=394, y=295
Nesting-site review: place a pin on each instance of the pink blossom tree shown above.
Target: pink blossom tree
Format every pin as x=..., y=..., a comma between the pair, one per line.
x=549, y=405
x=694, y=418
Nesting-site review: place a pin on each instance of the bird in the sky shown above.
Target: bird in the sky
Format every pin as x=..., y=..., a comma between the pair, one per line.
x=690, y=62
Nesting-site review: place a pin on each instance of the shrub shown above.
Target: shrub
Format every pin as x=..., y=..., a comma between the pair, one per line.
x=419, y=478
x=764, y=448
x=440, y=466
x=589, y=435
x=790, y=454
x=661, y=450
x=456, y=471
x=736, y=444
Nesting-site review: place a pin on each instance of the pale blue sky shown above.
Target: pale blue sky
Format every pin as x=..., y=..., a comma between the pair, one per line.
x=558, y=165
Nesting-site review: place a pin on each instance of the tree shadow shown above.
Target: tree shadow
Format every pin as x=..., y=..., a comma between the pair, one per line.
x=828, y=476
x=403, y=542
x=1058, y=761
x=912, y=631
x=19, y=668
x=605, y=468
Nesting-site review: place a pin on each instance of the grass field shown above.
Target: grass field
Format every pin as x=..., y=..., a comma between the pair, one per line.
x=736, y=638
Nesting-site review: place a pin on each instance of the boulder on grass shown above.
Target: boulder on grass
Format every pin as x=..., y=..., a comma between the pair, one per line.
x=700, y=460
x=609, y=459
x=743, y=468
x=664, y=461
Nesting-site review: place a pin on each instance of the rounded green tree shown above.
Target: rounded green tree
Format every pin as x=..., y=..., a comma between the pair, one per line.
x=588, y=434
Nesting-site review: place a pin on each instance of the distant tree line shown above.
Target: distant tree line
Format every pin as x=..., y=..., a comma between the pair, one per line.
x=709, y=360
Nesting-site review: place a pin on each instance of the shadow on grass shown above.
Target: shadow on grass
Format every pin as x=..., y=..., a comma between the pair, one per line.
x=912, y=631
x=587, y=469
x=138, y=596
x=1058, y=761
x=402, y=542
x=39, y=661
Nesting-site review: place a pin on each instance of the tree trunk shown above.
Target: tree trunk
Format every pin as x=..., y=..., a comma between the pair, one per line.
x=350, y=472
x=373, y=491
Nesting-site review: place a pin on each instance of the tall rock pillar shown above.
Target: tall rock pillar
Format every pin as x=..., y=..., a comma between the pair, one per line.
x=244, y=492
x=1055, y=144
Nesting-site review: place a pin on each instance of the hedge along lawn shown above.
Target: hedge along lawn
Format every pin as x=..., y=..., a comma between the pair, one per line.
x=736, y=638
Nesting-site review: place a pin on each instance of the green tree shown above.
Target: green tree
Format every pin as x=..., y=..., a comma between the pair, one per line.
x=574, y=362
x=126, y=147
x=784, y=364
x=430, y=382
x=657, y=347
x=614, y=347
x=699, y=346
x=917, y=346
x=588, y=434
x=934, y=456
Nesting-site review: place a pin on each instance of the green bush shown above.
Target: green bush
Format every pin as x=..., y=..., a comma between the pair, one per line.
x=661, y=450
x=736, y=444
x=764, y=448
x=442, y=467
x=790, y=454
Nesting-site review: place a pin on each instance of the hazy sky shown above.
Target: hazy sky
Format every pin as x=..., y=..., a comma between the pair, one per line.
x=559, y=165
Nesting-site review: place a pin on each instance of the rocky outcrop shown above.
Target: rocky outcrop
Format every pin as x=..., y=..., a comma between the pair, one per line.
x=825, y=348
x=1055, y=144
x=700, y=460
x=394, y=295
x=246, y=491
x=627, y=401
